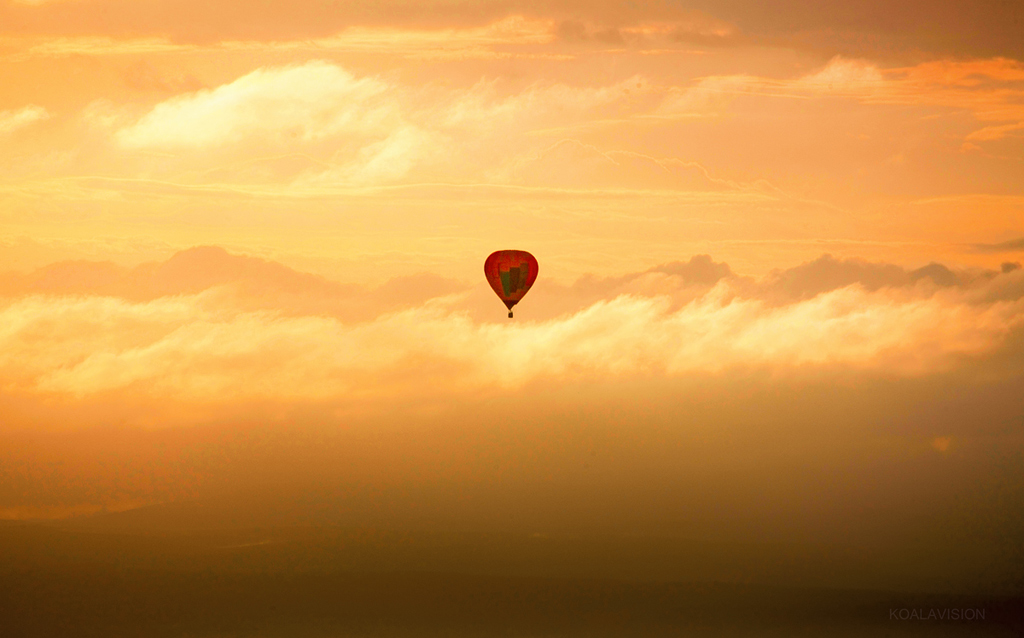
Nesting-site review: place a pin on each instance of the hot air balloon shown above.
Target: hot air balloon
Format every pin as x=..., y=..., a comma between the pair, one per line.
x=510, y=273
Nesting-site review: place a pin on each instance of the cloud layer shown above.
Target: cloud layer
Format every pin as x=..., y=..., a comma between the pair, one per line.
x=11, y=121
x=841, y=400
x=210, y=327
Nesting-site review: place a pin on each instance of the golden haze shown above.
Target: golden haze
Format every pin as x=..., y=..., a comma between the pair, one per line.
x=780, y=293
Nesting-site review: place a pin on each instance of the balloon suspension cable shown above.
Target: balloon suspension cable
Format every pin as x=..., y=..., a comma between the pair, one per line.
x=509, y=314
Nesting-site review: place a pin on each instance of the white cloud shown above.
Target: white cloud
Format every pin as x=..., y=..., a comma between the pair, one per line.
x=308, y=102
x=375, y=132
x=207, y=348
x=844, y=76
x=990, y=133
x=707, y=97
x=545, y=104
x=383, y=161
x=711, y=95
x=11, y=121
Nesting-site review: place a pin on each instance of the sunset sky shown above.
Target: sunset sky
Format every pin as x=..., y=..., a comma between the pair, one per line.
x=780, y=246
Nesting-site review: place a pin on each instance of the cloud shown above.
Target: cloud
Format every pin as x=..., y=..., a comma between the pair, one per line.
x=200, y=342
x=827, y=273
x=699, y=270
x=94, y=46
x=990, y=133
x=142, y=76
x=510, y=37
x=314, y=128
x=513, y=36
x=11, y=121
x=688, y=28
x=576, y=31
x=670, y=279
x=572, y=164
x=306, y=102
x=937, y=273
x=1012, y=245
x=844, y=76
x=387, y=160
x=989, y=89
x=544, y=104
x=210, y=371
x=872, y=28
x=840, y=77
x=356, y=131
x=708, y=96
x=194, y=348
x=248, y=282
x=863, y=28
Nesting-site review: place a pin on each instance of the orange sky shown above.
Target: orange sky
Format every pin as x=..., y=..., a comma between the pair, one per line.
x=233, y=215
x=361, y=146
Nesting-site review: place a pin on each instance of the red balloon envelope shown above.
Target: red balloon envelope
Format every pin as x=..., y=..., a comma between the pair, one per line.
x=511, y=273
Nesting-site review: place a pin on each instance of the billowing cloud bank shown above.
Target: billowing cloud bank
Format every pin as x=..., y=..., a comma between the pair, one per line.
x=840, y=400
x=211, y=327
